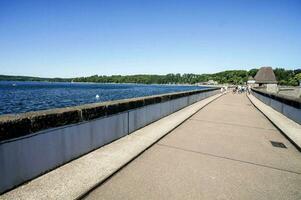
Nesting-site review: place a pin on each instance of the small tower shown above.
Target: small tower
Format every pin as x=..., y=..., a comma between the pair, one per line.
x=265, y=77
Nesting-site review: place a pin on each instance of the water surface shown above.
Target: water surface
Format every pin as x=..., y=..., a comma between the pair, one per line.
x=19, y=97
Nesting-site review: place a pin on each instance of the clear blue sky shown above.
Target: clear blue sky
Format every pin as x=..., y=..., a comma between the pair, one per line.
x=60, y=38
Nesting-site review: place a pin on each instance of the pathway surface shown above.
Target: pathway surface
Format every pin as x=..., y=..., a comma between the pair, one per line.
x=222, y=152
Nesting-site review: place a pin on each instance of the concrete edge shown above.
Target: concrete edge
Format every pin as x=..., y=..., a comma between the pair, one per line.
x=13, y=126
x=288, y=100
x=77, y=178
x=290, y=129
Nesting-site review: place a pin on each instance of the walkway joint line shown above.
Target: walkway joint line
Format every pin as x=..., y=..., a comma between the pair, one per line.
x=232, y=124
x=227, y=158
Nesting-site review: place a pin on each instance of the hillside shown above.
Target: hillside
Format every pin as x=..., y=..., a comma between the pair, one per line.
x=284, y=77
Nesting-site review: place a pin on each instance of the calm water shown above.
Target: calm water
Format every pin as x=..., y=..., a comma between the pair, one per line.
x=19, y=97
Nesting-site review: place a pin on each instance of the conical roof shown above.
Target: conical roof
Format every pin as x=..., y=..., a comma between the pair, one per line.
x=265, y=75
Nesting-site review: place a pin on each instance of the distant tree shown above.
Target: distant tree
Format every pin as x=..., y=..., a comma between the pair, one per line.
x=284, y=77
x=252, y=72
x=298, y=76
x=295, y=81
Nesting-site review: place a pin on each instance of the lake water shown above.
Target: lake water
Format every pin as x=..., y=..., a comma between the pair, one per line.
x=19, y=97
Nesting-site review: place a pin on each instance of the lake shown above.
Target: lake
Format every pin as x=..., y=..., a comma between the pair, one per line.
x=19, y=97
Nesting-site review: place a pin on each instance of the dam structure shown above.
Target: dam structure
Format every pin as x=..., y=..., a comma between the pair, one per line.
x=188, y=145
x=227, y=150
x=36, y=142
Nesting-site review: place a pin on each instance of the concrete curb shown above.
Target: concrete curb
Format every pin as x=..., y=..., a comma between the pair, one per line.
x=291, y=129
x=77, y=178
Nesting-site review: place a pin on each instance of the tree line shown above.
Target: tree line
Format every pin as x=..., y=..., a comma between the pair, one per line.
x=30, y=78
x=284, y=77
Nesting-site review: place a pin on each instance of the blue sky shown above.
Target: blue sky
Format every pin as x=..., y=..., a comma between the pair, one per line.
x=60, y=38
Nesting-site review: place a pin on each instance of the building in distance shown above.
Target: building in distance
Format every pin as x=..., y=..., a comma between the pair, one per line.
x=265, y=77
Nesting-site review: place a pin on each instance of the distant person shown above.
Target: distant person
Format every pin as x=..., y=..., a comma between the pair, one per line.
x=242, y=89
x=235, y=89
x=249, y=89
x=239, y=89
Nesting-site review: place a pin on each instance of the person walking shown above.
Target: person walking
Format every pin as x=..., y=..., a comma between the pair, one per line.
x=249, y=89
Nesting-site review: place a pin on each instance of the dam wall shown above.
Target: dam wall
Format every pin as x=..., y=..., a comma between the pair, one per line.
x=287, y=105
x=34, y=143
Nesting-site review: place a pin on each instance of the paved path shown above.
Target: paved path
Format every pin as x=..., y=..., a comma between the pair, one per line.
x=222, y=152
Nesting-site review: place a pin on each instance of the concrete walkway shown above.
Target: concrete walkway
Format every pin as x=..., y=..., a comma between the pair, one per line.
x=222, y=152
x=79, y=176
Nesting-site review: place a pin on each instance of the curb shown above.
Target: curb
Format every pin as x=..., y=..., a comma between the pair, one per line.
x=290, y=129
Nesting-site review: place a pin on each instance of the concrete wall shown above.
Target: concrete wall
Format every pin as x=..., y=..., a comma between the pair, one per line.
x=26, y=157
x=289, y=107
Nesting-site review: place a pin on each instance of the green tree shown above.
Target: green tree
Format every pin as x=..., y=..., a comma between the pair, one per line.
x=252, y=72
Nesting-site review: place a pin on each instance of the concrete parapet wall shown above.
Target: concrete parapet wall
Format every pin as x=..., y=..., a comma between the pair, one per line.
x=14, y=126
x=34, y=143
x=288, y=106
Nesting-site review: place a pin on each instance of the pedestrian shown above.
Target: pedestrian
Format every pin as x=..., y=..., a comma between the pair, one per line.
x=249, y=89
x=235, y=89
x=239, y=89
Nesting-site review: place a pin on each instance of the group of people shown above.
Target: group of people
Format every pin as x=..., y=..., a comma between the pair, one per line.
x=242, y=89
x=239, y=89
